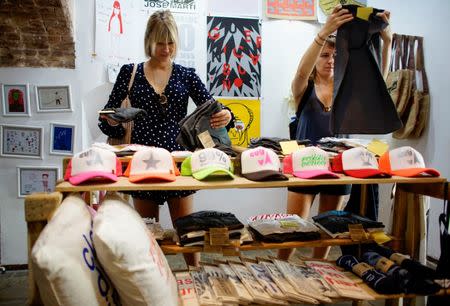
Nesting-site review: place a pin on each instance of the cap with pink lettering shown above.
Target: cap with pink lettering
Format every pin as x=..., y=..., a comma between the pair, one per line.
x=308, y=163
x=93, y=164
x=261, y=164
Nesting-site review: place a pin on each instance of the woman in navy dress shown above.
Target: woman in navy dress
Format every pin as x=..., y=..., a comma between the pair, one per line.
x=312, y=89
x=162, y=88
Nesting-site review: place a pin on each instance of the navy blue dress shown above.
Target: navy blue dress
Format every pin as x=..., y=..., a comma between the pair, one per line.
x=313, y=124
x=160, y=128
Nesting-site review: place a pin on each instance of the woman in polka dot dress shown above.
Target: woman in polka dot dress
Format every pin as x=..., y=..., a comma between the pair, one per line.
x=162, y=88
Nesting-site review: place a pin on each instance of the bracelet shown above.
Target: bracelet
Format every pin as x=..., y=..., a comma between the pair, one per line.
x=315, y=40
x=318, y=35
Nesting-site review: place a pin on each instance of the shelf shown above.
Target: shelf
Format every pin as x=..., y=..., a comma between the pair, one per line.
x=189, y=183
x=259, y=245
x=379, y=296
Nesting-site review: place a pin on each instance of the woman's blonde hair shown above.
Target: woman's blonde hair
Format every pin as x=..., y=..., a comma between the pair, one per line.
x=161, y=27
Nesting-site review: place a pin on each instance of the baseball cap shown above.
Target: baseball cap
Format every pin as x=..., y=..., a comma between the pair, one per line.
x=308, y=163
x=261, y=164
x=152, y=163
x=357, y=162
x=207, y=162
x=93, y=163
x=405, y=161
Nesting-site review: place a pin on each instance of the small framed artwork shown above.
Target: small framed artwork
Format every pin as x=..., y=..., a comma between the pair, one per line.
x=53, y=98
x=36, y=179
x=62, y=138
x=15, y=100
x=21, y=141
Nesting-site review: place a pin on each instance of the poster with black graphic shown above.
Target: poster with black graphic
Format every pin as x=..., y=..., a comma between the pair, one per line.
x=233, y=57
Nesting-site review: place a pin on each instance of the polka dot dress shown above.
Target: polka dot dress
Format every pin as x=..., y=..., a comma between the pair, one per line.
x=160, y=128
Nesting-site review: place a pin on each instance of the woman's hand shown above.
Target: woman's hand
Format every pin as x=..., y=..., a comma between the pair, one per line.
x=386, y=34
x=338, y=17
x=110, y=121
x=220, y=119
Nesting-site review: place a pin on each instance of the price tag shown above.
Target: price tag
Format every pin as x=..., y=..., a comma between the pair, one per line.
x=384, y=264
x=206, y=139
x=287, y=147
x=357, y=232
x=208, y=248
x=219, y=236
x=364, y=12
x=398, y=258
x=288, y=224
x=361, y=268
x=379, y=237
x=377, y=147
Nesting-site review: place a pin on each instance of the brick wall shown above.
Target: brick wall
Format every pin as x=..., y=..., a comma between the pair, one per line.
x=36, y=33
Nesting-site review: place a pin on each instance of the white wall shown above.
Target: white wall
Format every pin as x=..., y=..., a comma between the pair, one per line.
x=283, y=44
x=430, y=20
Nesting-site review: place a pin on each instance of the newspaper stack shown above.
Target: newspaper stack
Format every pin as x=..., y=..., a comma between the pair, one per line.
x=186, y=289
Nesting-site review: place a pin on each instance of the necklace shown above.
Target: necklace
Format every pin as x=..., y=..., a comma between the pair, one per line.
x=159, y=84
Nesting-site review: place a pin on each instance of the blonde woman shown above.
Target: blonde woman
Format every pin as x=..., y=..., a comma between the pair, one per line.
x=162, y=88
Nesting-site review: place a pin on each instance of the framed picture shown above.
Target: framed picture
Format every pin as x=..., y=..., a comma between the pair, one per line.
x=15, y=100
x=21, y=141
x=53, y=99
x=62, y=138
x=36, y=179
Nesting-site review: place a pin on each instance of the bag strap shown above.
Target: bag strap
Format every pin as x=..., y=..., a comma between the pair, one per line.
x=420, y=66
x=411, y=63
x=133, y=74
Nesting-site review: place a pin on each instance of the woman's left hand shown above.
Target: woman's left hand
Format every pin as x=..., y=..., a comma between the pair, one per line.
x=386, y=34
x=220, y=119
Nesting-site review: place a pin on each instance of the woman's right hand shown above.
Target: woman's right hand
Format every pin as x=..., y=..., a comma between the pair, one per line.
x=110, y=121
x=338, y=17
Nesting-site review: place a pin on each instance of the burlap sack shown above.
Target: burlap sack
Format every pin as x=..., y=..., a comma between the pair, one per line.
x=400, y=86
x=126, y=139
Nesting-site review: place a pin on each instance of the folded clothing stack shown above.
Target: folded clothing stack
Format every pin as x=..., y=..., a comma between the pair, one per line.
x=273, y=143
x=335, y=222
x=192, y=228
x=282, y=227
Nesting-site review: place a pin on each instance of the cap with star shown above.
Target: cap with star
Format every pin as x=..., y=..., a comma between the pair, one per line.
x=151, y=164
x=93, y=164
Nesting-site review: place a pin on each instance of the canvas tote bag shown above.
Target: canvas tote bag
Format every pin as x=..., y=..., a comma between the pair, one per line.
x=408, y=85
x=128, y=126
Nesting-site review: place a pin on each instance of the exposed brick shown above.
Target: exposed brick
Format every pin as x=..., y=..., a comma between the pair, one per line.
x=43, y=53
x=46, y=10
x=55, y=3
x=33, y=30
x=30, y=52
x=7, y=29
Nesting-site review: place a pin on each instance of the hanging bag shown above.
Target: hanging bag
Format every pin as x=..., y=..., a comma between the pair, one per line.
x=408, y=85
x=128, y=126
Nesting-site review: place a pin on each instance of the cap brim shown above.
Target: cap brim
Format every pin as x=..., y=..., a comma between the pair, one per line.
x=152, y=177
x=265, y=175
x=416, y=172
x=212, y=171
x=309, y=174
x=365, y=173
x=81, y=178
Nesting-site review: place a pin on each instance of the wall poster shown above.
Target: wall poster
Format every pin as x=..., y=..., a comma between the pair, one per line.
x=296, y=9
x=233, y=57
x=247, y=113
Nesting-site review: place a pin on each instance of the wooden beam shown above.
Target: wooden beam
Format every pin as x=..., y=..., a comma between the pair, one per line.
x=435, y=190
